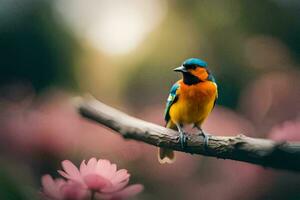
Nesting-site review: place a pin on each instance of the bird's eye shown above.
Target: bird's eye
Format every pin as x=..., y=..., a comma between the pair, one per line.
x=194, y=66
x=191, y=66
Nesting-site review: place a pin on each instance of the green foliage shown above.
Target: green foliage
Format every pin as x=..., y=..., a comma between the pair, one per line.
x=36, y=49
x=11, y=189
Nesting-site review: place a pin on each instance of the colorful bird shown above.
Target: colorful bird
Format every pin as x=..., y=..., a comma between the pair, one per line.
x=190, y=101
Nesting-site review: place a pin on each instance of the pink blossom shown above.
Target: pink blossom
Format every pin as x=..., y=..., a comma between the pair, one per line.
x=59, y=189
x=101, y=177
x=288, y=130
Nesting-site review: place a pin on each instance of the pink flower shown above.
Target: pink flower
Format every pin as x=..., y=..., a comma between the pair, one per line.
x=60, y=189
x=287, y=131
x=101, y=177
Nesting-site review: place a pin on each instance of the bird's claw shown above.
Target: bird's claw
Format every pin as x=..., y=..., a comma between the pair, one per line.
x=182, y=139
x=206, y=138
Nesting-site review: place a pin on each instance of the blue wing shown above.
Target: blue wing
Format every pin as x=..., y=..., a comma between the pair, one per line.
x=173, y=97
x=214, y=80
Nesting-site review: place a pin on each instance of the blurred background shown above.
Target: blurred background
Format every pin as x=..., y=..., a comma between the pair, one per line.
x=123, y=53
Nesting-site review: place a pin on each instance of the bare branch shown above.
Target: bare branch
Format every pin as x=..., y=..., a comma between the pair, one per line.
x=267, y=153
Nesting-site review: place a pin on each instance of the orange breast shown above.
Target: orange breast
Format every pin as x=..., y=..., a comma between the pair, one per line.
x=195, y=102
x=203, y=91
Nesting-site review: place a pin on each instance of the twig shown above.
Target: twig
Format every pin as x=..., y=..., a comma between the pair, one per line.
x=267, y=153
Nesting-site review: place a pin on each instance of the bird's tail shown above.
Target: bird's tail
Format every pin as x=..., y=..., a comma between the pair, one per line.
x=167, y=155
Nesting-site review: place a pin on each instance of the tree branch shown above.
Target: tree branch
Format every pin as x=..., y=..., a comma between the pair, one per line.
x=267, y=153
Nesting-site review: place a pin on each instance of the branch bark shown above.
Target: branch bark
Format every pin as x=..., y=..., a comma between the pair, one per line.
x=267, y=153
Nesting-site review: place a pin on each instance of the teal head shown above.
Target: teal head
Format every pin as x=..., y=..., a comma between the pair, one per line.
x=194, y=71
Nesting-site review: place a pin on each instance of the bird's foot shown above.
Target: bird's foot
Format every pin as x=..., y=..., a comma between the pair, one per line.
x=206, y=137
x=182, y=139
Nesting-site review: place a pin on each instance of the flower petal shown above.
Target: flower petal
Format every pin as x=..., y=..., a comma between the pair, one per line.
x=64, y=174
x=50, y=187
x=96, y=182
x=115, y=188
x=120, y=176
x=74, y=190
x=91, y=165
x=128, y=191
x=92, y=162
x=71, y=170
x=104, y=168
x=112, y=170
x=83, y=168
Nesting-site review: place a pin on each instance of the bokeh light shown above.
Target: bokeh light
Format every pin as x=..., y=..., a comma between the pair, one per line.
x=116, y=26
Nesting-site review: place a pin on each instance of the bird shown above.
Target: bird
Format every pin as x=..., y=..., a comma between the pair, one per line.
x=190, y=101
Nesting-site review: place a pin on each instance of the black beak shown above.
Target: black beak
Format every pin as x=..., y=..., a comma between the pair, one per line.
x=180, y=69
